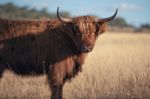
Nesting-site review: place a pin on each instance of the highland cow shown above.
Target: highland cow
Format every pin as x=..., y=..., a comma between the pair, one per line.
x=56, y=48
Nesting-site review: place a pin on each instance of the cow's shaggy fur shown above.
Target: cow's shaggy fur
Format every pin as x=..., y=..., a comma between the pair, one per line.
x=47, y=46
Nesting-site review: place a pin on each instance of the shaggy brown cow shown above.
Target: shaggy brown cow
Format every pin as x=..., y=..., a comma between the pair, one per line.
x=55, y=47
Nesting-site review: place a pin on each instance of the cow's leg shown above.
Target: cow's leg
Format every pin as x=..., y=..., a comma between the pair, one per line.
x=56, y=92
x=2, y=68
x=56, y=82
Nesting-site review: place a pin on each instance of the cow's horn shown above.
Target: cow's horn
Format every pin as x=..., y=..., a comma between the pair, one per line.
x=109, y=18
x=65, y=20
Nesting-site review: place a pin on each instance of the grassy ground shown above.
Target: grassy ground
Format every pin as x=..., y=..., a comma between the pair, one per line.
x=118, y=68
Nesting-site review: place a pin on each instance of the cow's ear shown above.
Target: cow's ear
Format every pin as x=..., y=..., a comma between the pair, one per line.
x=102, y=27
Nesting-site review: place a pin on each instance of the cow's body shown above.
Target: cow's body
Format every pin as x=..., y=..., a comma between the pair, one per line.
x=56, y=48
x=32, y=46
x=37, y=47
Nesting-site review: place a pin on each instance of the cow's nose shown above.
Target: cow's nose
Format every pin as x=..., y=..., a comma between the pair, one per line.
x=86, y=48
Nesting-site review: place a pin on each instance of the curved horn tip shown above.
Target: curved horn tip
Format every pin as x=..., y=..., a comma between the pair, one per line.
x=117, y=10
x=66, y=20
x=57, y=8
x=58, y=16
x=109, y=18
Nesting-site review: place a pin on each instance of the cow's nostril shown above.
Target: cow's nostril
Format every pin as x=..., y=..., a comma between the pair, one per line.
x=86, y=48
x=90, y=47
x=83, y=47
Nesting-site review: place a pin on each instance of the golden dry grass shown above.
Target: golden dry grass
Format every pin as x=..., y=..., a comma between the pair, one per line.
x=118, y=68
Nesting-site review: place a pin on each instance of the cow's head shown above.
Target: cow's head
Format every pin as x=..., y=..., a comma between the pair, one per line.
x=85, y=29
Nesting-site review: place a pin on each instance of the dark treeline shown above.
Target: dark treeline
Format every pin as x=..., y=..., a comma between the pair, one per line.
x=11, y=11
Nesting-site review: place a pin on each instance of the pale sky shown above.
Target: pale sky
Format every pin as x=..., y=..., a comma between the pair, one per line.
x=136, y=12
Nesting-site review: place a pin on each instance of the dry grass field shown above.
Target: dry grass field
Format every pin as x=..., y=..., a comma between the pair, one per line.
x=118, y=68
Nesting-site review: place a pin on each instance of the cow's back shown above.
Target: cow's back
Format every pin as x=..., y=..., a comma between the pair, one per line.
x=24, y=44
x=30, y=45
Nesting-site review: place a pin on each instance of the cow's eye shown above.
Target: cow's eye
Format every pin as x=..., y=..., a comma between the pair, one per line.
x=76, y=28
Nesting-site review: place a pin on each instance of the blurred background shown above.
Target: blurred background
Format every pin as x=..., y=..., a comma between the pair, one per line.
x=117, y=68
x=133, y=15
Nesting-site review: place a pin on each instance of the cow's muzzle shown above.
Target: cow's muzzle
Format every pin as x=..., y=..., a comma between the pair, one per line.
x=86, y=48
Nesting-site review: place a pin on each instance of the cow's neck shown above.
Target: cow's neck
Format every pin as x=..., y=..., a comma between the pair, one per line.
x=80, y=58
